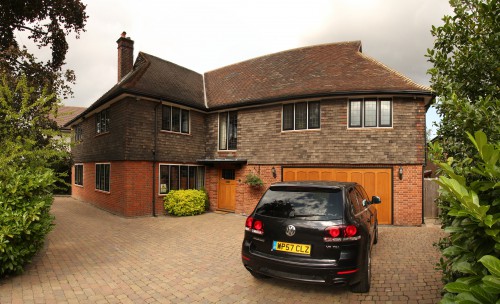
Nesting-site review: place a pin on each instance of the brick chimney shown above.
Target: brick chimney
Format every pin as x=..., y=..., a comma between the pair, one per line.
x=125, y=55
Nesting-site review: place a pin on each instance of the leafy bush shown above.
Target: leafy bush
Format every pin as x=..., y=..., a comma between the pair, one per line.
x=185, y=202
x=471, y=205
x=25, y=200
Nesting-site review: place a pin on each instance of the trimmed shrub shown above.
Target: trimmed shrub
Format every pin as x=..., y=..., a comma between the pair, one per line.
x=470, y=204
x=185, y=202
x=25, y=201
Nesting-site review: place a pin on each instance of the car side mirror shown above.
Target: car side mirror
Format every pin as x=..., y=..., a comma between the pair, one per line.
x=376, y=200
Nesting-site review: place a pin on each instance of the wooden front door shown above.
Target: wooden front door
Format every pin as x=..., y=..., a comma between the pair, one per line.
x=227, y=190
x=376, y=181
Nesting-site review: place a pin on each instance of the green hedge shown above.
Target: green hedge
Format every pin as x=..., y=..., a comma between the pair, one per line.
x=185, y=202
x=25, y=201
x=470, y=205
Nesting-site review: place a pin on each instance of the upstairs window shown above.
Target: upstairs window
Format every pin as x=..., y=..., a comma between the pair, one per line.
x=228, y=130
x=370, y=113
x=175, y=119
x=102, y=122
x=78, y=133
x=301, y=116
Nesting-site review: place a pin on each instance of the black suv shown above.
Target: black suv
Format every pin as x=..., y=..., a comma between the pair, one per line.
x=313, y=231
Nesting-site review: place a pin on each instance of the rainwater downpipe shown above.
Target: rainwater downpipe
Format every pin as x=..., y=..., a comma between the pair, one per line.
x=153, y=205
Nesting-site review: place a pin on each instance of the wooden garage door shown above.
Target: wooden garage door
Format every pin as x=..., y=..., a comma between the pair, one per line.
x=375, y=181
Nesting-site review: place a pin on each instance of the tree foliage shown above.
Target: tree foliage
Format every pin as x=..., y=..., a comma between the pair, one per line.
x=466, y=74
x=466, y=77
x=29, y=148
x=47, y=22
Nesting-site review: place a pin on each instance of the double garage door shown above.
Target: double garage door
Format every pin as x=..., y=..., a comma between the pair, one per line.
x=376, y=181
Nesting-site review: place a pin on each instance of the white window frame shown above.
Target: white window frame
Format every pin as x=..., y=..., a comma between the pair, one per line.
x=74, y=178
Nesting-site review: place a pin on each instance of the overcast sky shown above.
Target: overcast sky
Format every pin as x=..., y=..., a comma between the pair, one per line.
x=204, y=35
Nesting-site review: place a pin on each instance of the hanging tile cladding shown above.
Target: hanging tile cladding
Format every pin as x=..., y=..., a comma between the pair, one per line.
x=131, y=136
x=261, y=141
x=107, y=146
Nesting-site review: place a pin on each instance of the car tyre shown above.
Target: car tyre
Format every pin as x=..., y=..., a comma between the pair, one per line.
x=375, y=238
x=364, y=285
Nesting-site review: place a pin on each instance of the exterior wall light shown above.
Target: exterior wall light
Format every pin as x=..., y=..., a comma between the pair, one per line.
x=273, y=171
x=400, y=173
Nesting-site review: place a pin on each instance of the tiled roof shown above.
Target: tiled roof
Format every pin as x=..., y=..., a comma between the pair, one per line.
x=66, y=114
x=336, y=68
x=165, y=80
x=320, y=70
x=159, y=79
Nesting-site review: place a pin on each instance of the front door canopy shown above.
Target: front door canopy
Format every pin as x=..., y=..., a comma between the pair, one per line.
x=221, y=161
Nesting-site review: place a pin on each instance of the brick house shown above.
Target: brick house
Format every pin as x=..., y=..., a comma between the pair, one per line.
x=320, y=112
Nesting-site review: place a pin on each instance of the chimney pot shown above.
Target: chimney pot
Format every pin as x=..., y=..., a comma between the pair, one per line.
x=124, y=34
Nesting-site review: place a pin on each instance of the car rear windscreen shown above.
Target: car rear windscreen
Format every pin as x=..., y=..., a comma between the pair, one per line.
x=320, y=204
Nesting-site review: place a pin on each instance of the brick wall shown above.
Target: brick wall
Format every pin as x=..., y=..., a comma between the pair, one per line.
x=407, y=196
x=261, y=141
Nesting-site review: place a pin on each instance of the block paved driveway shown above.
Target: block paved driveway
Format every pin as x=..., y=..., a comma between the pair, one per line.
x=96, y=257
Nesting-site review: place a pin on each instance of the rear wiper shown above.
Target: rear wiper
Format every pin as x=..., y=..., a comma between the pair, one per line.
x=307, y=215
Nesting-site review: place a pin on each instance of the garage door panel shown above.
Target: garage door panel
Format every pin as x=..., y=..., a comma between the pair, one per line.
x=376, y=181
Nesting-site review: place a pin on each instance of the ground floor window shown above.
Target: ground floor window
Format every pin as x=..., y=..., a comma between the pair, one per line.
x=102, y=177
x=176, y=177
x=79, y=174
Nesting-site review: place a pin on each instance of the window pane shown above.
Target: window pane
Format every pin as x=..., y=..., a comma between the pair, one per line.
x=174, y=177
x=192, y=178
x=229, y=174
x=288, y=116
x=98, y=123
x=200, y=182
x=164, y=179
x=370, y=113
x=184, y=177
x=314, y=115
x=355, y=113
x=106, y=178
x=166, y=121
x=223, y=131
x=385, y=113
x=301, y=116
x=106, y=121
x=176, y=119
x=97, y=176
x=233, y=131
x=184, y=121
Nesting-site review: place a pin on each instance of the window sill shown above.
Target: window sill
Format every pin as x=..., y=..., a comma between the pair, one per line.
x=102, y=134
x=175, y=133
x=102, y=191
x=77, y=185
x=301, y=130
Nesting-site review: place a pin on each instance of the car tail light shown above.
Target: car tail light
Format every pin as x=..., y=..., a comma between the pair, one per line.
x=334, y=231
x=341, y=233
x=254, y=226
x=350, y=231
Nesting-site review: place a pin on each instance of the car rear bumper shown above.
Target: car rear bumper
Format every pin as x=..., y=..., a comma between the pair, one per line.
x=318, y=272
